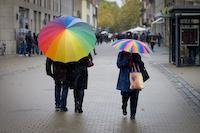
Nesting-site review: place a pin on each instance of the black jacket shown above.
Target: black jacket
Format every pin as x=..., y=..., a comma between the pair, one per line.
x=60, y=72
x=81, y=73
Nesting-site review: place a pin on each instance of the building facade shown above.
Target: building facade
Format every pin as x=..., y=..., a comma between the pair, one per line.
x=184, y=22
x=178, y=21
x=89, y=12
x=147, y=12
x=19, y=16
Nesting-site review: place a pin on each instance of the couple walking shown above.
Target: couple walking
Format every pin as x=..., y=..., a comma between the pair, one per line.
x=73, y=75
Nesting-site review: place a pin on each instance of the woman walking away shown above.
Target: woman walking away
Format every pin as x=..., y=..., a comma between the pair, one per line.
x=81, y=80
x=125, y=62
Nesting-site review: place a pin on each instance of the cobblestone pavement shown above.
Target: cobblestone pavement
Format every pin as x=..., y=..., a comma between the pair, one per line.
x=27, y=100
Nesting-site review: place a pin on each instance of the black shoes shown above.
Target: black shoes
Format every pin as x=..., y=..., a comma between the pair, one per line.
x=78, y=110
x=132, y=117
x=124, y=110
x=57, y=108
x=63, y=109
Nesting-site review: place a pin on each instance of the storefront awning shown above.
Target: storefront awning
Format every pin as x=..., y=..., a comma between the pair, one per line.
x=158, y=21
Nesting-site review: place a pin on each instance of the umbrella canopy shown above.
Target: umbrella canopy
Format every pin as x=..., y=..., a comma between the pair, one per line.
x=66, y=39
x=137, y=29
x=132, y=46
x=104, y=32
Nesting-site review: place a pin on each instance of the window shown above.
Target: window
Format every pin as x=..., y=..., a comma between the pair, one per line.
x=45, y=3
x=35, y=20
x=49, y=17
x=39, y=19
x=49, y=4
x=189, y=36
x=88, y=19
x=88, y=4
x=39, y=2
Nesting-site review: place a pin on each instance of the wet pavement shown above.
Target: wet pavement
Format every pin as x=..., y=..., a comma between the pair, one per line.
x=166, y=105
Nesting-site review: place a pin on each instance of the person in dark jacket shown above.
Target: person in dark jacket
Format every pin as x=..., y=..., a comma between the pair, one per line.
x=61, y=76
x=125, y=63
x=80, y=82
x=159, y=38
x=29, y=42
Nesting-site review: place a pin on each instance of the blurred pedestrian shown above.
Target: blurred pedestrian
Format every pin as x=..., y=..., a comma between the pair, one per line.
x=129, y=35
x=159, y=38
x=23, y=48
x=135, y=36
x=98, y=38
x=81, y=81
x=143, y=37
x=125, y=63
x=94, y=50
x=29, y=42
x=152, y=41
x=60, y=74
x=35, y=40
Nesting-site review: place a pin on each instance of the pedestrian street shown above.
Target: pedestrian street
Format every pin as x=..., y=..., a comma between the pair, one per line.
x=27, y=100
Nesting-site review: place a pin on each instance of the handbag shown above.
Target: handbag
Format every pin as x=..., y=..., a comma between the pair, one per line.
x=90, y=63
x=136, y=79
x=145, y=74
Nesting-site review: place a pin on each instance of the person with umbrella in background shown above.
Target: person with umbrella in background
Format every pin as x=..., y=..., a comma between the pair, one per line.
x=129, y=60
x=124, y=63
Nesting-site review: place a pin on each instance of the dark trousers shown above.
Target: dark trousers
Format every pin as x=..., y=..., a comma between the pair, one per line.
x=152, y=46
x=61, y=92
x=29, y=49
x=78, y=97
x=133, y=95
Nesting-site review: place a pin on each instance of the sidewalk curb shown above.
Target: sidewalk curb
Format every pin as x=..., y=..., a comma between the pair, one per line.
x=181, y=85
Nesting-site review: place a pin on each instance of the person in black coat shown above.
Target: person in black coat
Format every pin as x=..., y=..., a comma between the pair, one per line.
x=29, y=42
x=80, y=82
x=61, y=76
x=125, y=63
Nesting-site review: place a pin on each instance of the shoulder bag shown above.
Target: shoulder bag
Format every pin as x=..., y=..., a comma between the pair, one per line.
x=136, y=79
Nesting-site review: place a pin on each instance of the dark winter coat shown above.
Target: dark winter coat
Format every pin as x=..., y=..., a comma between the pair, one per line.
x=124, y=62
x=29, y=40
x=81, y=73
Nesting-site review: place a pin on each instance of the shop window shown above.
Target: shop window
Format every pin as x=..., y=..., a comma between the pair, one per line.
x=189, y=36
x=189, y=39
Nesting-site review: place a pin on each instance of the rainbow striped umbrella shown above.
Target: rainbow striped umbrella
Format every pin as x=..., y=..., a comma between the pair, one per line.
x=66, y=39
x=132, y=46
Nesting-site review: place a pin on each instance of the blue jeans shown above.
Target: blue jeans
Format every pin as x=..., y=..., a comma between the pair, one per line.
x=22, y=49
x=61, y=92
x=36, y=49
